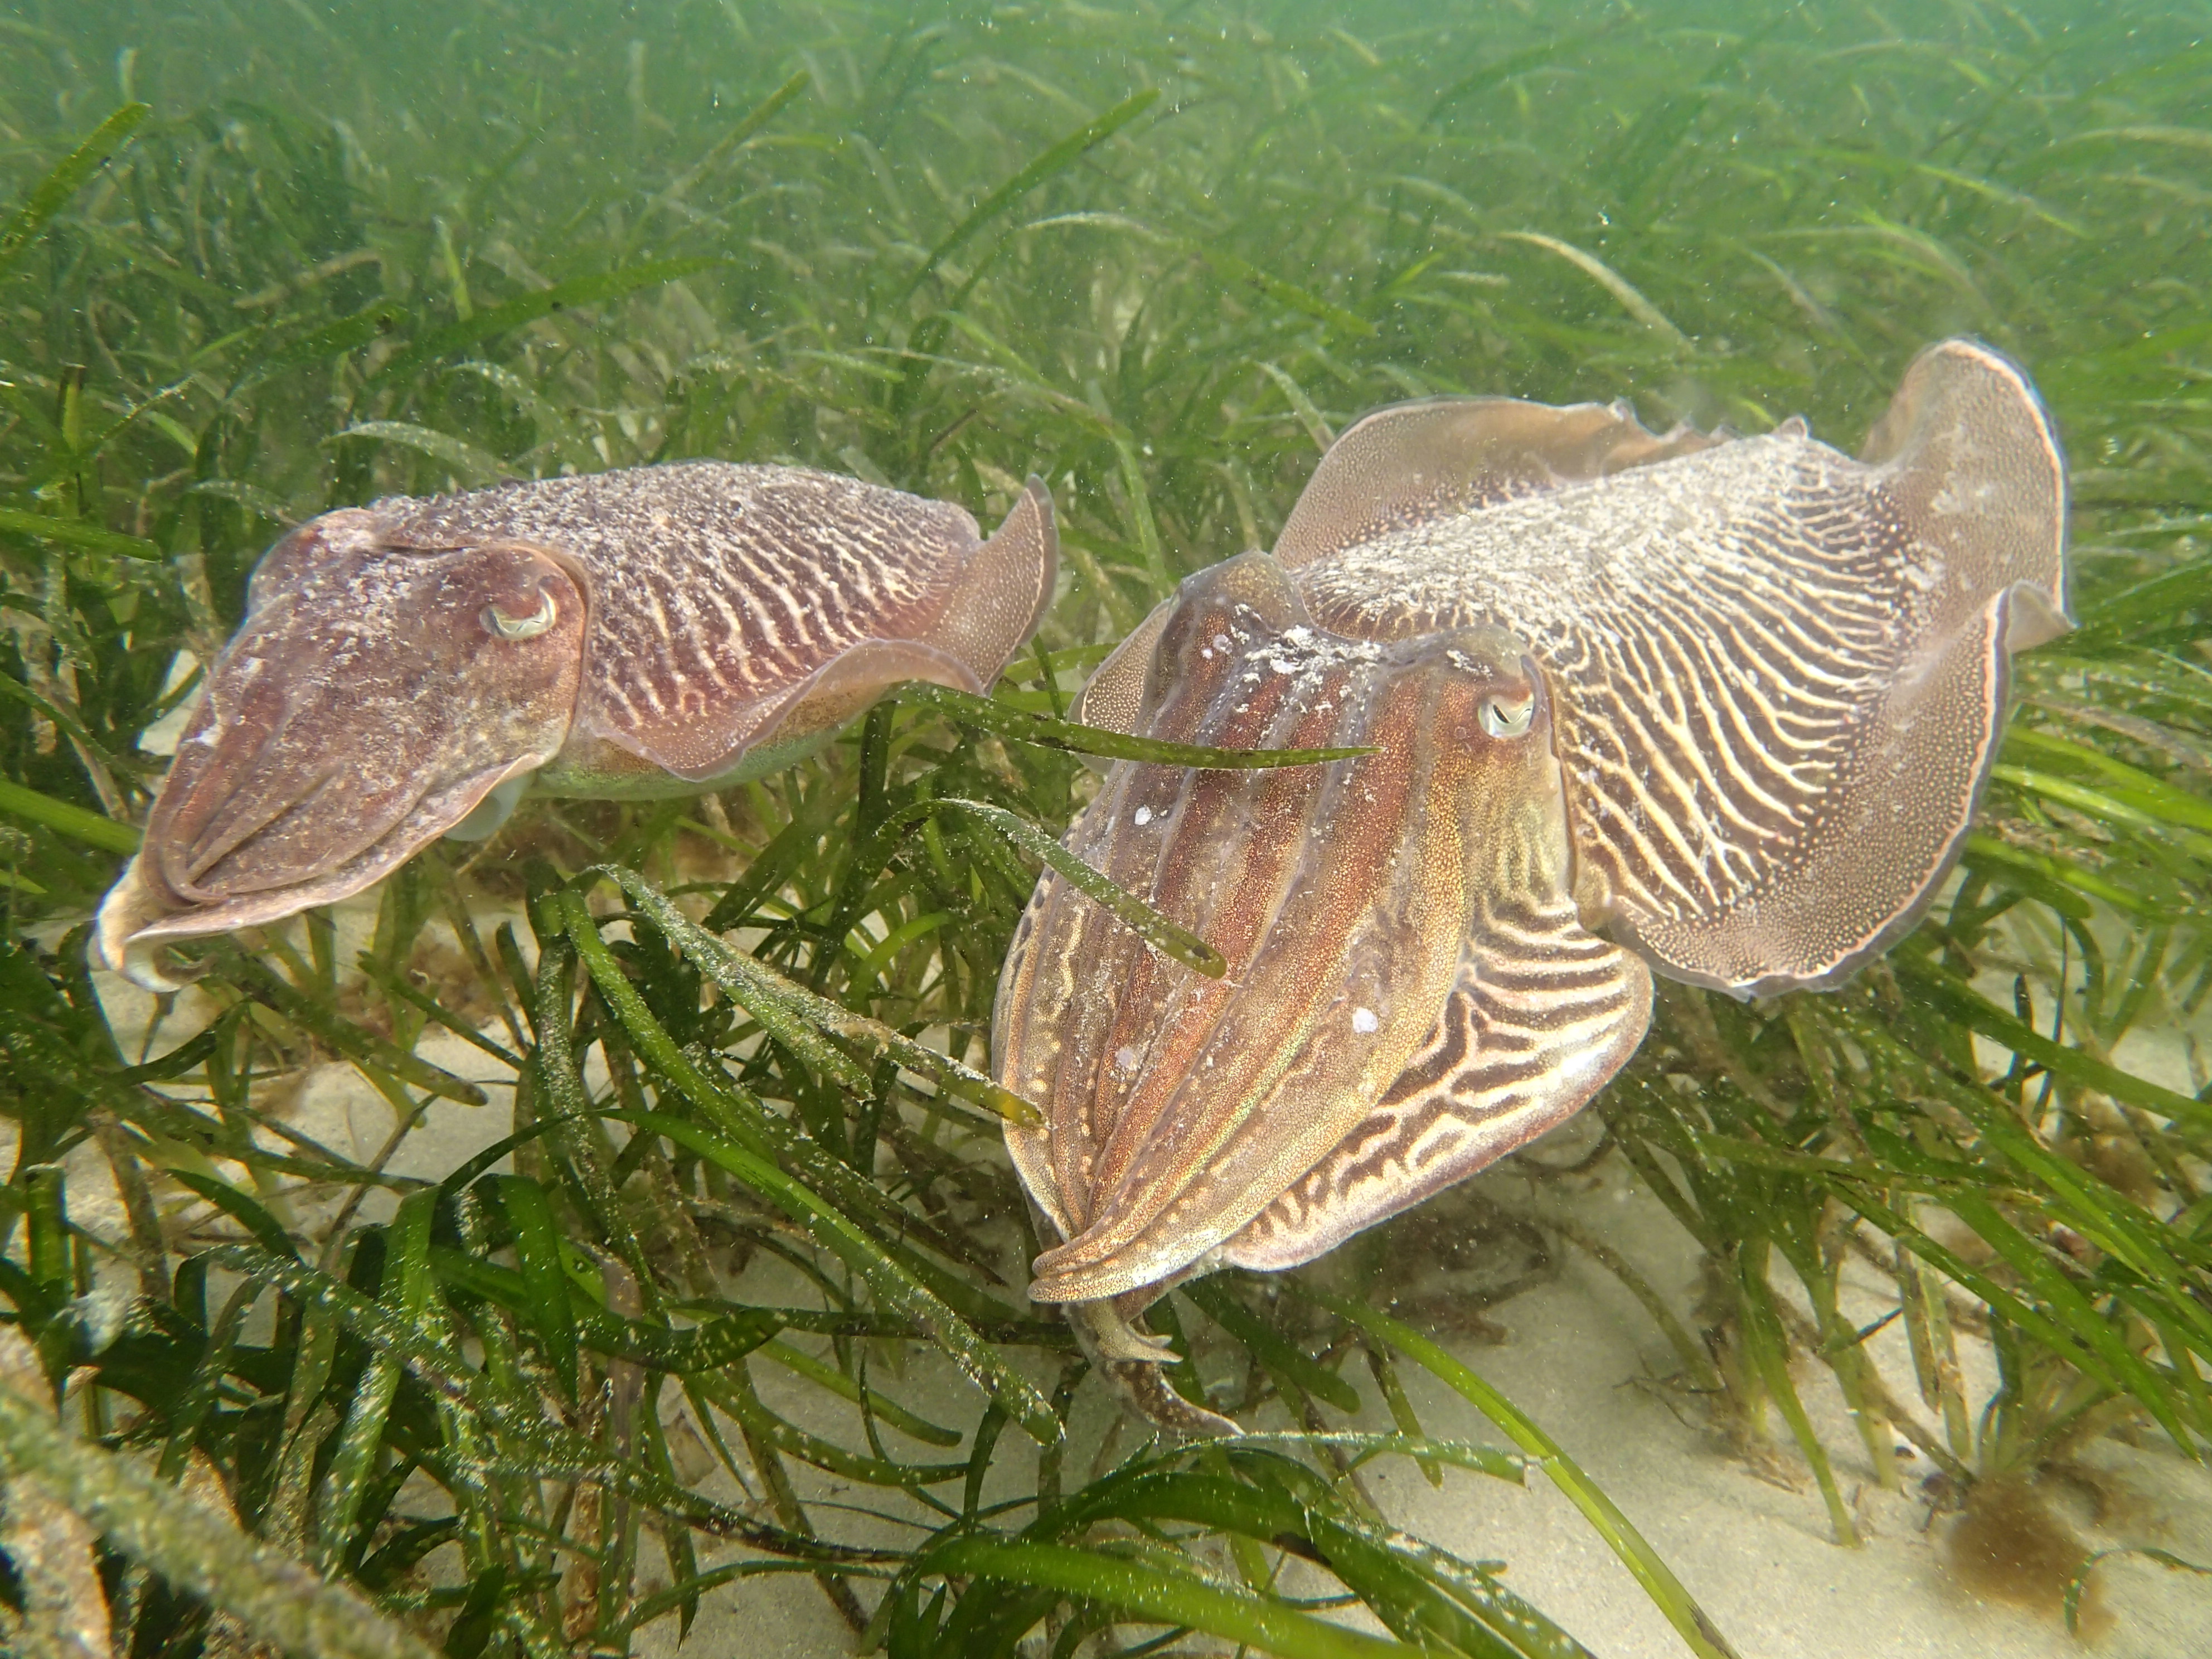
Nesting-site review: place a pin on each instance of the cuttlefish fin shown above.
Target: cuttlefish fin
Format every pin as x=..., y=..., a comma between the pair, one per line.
x=1002, y=593
x=1542, y=1016
x=996, y=600
x=1179, y=1106
x=1968, y=453
x=1967, y=493
x=1415, y=462
x=1113, y=698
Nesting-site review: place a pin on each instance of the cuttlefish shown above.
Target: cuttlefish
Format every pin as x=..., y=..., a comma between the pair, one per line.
x=1716, y=707
x=410, y=670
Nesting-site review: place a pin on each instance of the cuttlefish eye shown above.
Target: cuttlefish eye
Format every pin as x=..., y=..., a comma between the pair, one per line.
x=496, y=621
x=1509, y=717
x=362, y=709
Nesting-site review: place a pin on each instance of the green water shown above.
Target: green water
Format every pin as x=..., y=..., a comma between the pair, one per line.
x=312, y=254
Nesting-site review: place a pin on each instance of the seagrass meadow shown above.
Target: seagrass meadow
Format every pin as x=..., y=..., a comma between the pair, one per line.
x=600, y=1236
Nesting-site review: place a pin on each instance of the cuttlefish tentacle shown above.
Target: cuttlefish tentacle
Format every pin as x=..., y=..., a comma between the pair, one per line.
x=1134, y=1365
x=1781, y=673
x=407, y=670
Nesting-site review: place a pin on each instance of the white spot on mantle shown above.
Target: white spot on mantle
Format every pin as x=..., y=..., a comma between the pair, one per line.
x=1363, y=1021
x=1143, y=815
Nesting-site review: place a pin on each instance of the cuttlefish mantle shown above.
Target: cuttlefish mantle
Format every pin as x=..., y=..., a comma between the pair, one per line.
x=409, y=670
x=1762, y=684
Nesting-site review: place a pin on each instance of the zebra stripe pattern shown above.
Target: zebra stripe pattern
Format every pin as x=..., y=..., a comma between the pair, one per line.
x=1780, y=673
x=1763, y=686
x=1541, y=1017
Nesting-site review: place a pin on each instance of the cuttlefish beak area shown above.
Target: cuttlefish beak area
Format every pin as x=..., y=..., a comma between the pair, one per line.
x=372, y=697
x=1409, y=993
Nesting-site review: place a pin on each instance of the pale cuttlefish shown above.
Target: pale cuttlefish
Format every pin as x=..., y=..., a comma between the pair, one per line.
x=1719, y=708
x=409, y=670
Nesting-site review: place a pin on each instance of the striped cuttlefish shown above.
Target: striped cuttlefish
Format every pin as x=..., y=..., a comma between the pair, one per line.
x=1719, y=708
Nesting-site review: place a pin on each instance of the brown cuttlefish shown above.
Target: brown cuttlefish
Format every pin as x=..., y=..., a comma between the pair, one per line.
x=409, y=670
x=1717, y=707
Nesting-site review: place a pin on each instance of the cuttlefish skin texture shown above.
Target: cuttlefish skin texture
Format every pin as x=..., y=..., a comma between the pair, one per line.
x=1782, y=673
x=405, y=670
x=1765, y=683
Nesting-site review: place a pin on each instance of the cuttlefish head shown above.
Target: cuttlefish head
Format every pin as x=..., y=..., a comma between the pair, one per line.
x=1409, y=991
x=374, y=698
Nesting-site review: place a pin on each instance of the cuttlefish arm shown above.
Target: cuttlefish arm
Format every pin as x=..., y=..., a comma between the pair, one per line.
x=1781, y=673
x=406, y=670
x=1409, y=992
